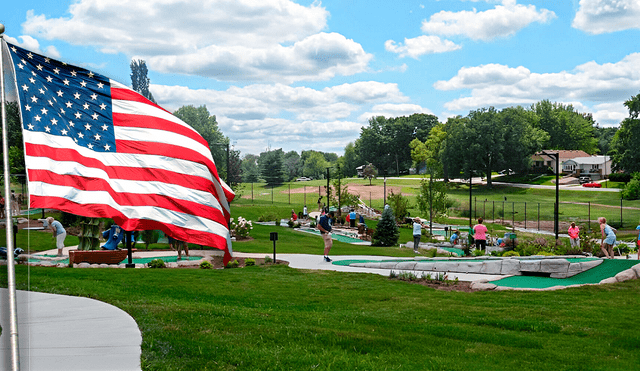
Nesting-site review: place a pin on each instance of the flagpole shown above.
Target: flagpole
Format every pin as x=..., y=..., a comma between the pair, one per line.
x=11, y=277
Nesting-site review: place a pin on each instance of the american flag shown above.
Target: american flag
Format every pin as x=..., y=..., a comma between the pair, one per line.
x=95, y=148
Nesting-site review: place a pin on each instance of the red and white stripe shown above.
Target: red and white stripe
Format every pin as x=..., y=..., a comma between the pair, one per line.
x=162, y=175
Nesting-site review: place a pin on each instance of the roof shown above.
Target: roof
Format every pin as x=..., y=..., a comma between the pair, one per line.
x=564, y=154
x=590, y=160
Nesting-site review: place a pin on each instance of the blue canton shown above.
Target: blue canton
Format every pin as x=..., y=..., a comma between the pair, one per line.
x=64, y=100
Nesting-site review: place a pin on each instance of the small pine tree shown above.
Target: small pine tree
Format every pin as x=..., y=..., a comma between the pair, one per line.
x=387, y=232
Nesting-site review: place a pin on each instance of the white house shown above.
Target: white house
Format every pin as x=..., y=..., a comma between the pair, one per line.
x=596, y=167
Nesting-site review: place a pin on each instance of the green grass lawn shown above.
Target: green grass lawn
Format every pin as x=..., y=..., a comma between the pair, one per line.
x=279, y=318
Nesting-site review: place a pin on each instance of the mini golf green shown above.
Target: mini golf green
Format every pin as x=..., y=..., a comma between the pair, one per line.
x=167, y=259
x=608, y=268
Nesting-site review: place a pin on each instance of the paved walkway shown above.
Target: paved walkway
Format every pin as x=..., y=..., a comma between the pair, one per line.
x=59, y=332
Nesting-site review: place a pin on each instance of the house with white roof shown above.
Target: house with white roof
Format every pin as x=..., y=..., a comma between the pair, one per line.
x=595, y=167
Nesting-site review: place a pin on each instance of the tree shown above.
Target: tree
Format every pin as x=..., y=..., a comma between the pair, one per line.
x=625, y=153
x=292, y=165
x=631, y=190
x=387, y=232
x=521, y=137
x=315, y=166
x=604, y=136
x=207, y=126
x=385, y=142
x=139, y=79
x=235, y=169
x=14, y=139
x=250, y=169
x=370, y=172
x=400, y=206
x=350, y=160
x=271, y=167
x=567, y=128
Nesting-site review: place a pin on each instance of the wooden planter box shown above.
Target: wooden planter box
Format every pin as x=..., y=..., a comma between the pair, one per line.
x=97, y=256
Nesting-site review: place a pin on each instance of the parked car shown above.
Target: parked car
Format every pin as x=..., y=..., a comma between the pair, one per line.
x=584, y=179
x=592, y=185
x=303, y=179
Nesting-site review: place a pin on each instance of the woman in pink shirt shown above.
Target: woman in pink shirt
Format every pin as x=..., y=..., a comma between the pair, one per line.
x=574, y=236
x=480, y=235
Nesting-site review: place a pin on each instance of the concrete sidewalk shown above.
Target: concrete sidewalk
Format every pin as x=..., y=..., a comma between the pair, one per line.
x=59, y=332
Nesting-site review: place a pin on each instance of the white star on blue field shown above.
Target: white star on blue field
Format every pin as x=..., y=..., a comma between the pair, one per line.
x=308, y=74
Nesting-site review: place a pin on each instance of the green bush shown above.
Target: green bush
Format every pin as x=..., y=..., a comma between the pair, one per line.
x=620, y=177
x=267, y=259
x=278, y=222
x=387, y=232
x=268, y=217
x=312, y=224
x=156, y=263
x=510, y=253
x=149, y=236
x=206, y=265
x=233, y=264
x=290, y=223
x=478, y=252
x=249, y=262
x=631, y=190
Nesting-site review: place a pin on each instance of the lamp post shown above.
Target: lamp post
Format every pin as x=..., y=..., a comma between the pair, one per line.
x=557, y=205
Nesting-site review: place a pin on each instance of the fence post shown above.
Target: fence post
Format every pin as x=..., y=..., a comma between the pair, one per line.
x=513, y=216
x=589, y=216
x=620, y=213
x=525, y=215
x=538, y=215
x=272, y=194
x=475, y=208
x=502, y=212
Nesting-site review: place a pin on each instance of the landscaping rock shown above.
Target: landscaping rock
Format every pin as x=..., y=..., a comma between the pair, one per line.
x=426, y=266
x=469, y=267
x=482, y=286
x=558, y=275
x=442, y=266
x=636, y=268
x=82, y=265
x=626, y=275
x=504, y=288
x=574, y=268
x=104, y=265
x=609, y=280
x=529, y=265
x=554, y=288
x=510, y=267
x=585, y=266
x=491, y=267
x=388, y=265
x=554, y=266
x=406, y=265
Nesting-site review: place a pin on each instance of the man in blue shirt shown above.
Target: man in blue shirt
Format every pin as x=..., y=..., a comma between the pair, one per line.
x=324, y=225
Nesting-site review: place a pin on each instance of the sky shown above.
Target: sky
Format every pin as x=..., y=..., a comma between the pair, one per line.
x=301, y=75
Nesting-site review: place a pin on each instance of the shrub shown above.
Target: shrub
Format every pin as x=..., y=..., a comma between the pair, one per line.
x=249, y=262
x=312, y=224
x=267, y=259
x=631, y=190
x=206, y=265
x=620, y=177
x=393, y=274
x=233, y=264
x=241, y=228
x=156, y=263
x=268, y=217
x=387, y=232
x=478, y=252
x=277, y=222
x=149, y=236
x=510, y=253
x=290, y=223
x=399, y=204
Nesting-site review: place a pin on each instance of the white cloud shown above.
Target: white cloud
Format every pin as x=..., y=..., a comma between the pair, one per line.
x=279, y=115
x=602, y=16
x=502, y=21
x=601, y=86
x=232, y=40
x=30, y=43
x=421, y=45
